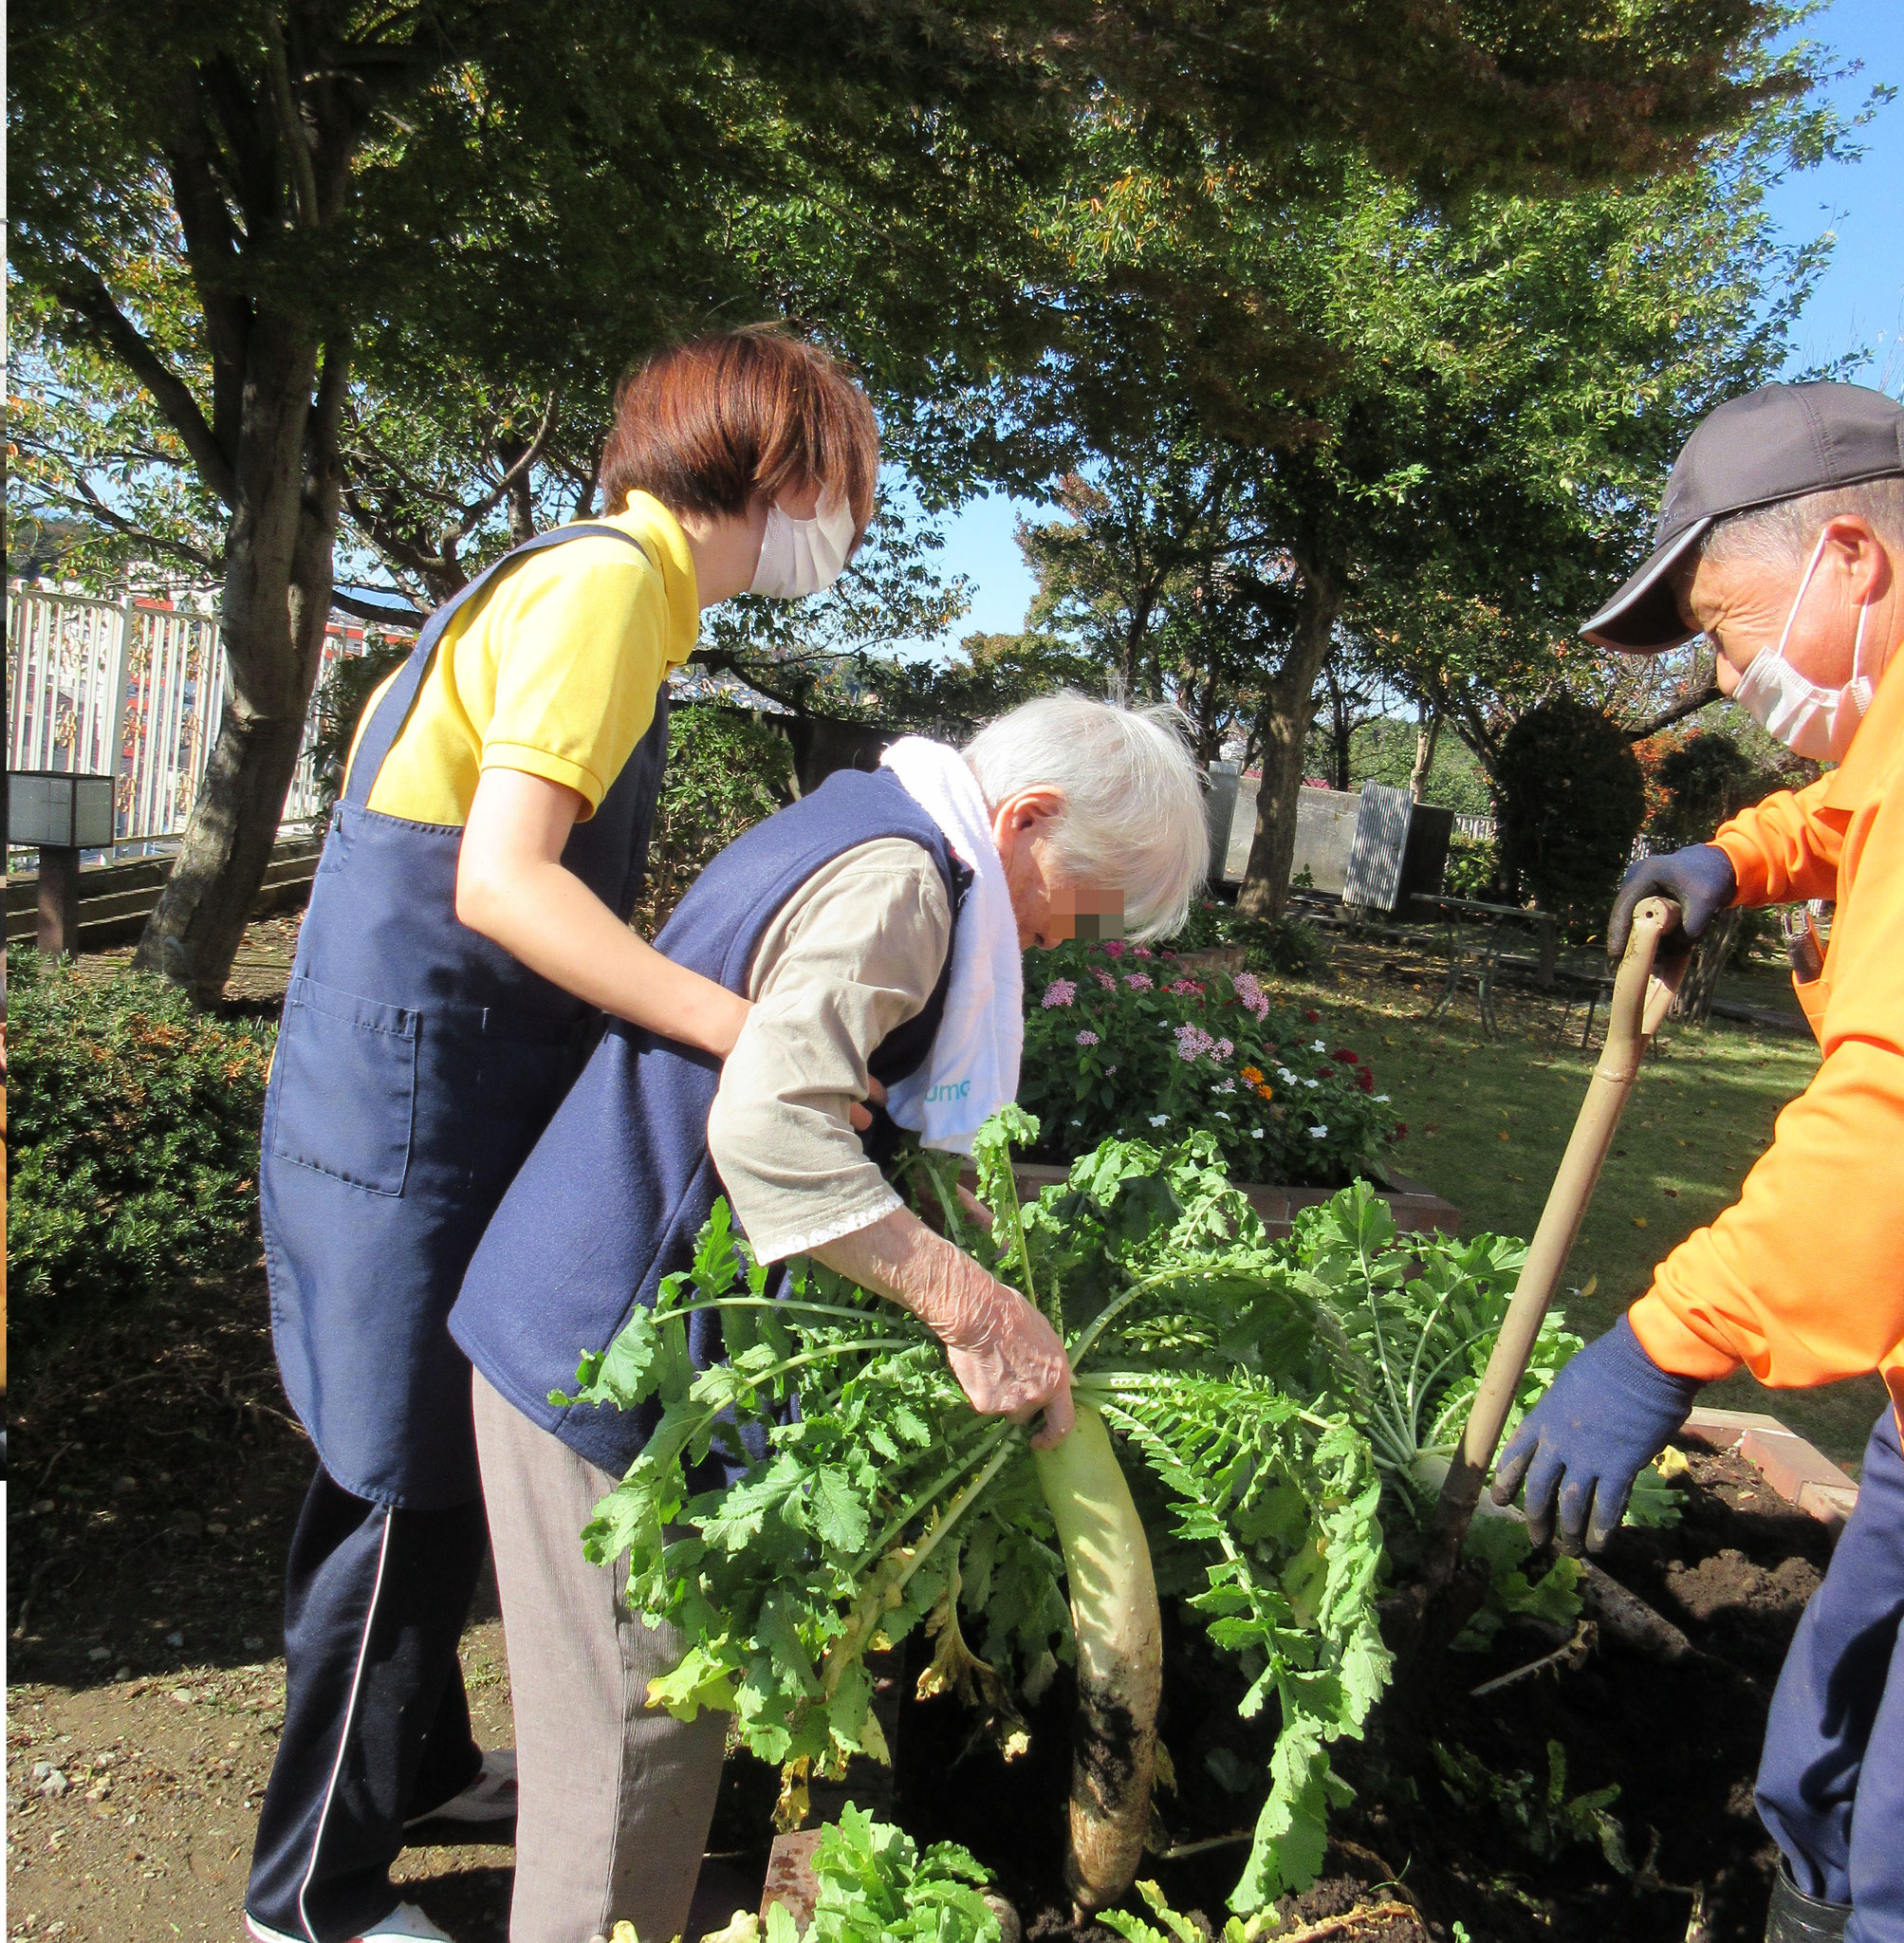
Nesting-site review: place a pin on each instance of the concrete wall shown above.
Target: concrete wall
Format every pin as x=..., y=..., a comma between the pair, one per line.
x=1326, y=832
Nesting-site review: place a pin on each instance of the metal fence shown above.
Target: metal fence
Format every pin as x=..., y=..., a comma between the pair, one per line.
x=1482, y=827
x=132, y=689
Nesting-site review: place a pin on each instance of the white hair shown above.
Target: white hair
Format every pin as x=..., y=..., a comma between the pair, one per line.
x=1134, y=814
x=1785, y=532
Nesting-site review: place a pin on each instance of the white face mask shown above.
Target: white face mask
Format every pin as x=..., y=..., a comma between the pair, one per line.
x=804, y=556
x=1814, y=722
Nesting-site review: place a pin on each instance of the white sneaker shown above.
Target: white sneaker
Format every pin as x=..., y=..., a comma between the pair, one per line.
x=490, y=1797
x=406, y=1923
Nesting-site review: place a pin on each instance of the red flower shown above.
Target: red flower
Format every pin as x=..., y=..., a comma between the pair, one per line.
x=1400, y=1130
x=1314, y=1018
x=1347, y=1058
x=1364, y=1079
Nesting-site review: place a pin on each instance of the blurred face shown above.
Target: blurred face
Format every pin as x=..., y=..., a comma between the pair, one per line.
x=1742, y=607
x=1051, y=906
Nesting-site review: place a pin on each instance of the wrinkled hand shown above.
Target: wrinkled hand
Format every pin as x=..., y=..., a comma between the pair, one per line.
x=1011, y=1363
x=1610, y=1411
x=1699, y=880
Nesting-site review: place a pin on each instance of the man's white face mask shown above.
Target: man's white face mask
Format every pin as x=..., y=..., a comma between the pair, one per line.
x=1814, y=722
x=804, y=556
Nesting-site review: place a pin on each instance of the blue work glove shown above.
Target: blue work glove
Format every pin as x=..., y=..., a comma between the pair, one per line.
x=1610, y=1411
x=1700, y=880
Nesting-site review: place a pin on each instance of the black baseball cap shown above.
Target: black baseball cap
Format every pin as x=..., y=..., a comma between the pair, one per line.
x=1772, y=444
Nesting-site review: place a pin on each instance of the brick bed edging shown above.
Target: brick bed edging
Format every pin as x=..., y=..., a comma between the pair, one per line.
x=1799, y=1471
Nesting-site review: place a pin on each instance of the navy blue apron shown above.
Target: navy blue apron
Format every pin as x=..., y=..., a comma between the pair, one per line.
x=417, y=1065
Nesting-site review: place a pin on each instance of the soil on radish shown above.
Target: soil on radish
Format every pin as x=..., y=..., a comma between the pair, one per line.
x=1681, y=1744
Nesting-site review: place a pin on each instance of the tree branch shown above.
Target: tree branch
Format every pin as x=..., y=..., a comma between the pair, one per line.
x=84, y=499
x=1686, y=704
x=172, y=396
x=474, y=515
x=369, y=610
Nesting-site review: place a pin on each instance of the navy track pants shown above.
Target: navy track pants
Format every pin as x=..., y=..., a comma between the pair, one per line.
x=377, y=1726
x=1831, y=1783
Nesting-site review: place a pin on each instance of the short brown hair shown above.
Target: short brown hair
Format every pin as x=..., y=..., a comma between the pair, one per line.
x=708, y=424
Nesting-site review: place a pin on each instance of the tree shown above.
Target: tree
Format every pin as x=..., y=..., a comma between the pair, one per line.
x=300, y=246
x=243, y=209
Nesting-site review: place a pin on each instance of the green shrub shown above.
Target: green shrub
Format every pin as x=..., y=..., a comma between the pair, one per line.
x=134, y=1130
x=1290, y=945
x=340, y=700
x=1572, y=801
x=725, y=771
x=1473, y=866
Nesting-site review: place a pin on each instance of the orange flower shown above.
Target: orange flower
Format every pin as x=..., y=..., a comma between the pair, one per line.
x=1268, y=1092
x=1252, y=1076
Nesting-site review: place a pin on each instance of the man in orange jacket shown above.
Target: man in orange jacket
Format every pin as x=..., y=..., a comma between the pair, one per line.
x=1781, y=540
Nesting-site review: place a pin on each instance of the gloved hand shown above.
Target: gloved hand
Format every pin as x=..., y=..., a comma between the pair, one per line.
x=1610, y=1411
x=1700, y=879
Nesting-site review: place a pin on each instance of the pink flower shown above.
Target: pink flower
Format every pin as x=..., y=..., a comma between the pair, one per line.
x=1188, y=988
x=1138, y=981
x=1140, y=952
x=1250, y=995
x=1193, y=1042
x=1112, y=948
x=1087, y=1039
x=1105, y=979
x=1061, y=991
x=1223, y=1049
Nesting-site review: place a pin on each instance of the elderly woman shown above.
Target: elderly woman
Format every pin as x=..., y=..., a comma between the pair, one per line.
x=877, y=926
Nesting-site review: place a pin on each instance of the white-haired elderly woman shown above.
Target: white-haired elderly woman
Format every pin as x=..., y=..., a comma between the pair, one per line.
x=877, y=926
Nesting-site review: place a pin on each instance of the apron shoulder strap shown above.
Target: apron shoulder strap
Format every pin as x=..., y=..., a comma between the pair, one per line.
x=393, y=711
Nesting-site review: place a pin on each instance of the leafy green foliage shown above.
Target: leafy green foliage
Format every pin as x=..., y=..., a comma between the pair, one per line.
x=882, y=1503
x=133, y=1144
x=1180, y=1929
x=1543, y=1818
x=726, y=772
x=341, y=698
x=873, y=1883
x=1572, y=801
x=1473, y=866
x=1118, y=1040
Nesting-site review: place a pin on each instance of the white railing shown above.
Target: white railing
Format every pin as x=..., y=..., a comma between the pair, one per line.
x=134, y=689
x=1482, y=827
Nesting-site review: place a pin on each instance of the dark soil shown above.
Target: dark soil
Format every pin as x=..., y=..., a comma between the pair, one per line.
x=1680, y=1744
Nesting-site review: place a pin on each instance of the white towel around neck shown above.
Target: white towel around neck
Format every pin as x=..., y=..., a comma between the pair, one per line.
x=973, y=1067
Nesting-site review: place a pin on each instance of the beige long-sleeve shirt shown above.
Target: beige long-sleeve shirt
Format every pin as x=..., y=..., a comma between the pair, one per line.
x=855, y=953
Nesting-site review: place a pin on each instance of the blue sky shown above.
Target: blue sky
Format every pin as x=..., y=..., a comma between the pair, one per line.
x=1858, y=303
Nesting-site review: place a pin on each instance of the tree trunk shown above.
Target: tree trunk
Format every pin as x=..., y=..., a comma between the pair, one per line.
x=1426, y=735
x=1342, y=735
x=1282, y=730
x=275, y=604
x=1700, y=985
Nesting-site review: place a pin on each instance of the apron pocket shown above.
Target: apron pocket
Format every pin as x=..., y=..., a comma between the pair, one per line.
x=346, y=1086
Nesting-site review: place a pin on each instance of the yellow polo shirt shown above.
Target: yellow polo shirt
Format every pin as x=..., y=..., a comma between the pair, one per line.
x=553, y=670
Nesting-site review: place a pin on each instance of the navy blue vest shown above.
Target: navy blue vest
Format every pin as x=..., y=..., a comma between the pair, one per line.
x=610, y=1201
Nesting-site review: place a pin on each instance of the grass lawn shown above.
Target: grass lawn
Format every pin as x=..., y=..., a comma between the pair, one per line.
x=1487, y=1121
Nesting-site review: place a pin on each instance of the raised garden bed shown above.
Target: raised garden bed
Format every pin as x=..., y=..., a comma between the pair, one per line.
x=1453, y=1823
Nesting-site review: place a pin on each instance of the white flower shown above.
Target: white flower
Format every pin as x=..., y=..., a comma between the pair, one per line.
x=1221, y=1115
x=1381, y=1098
x=1319, y=1133
x=1158, y=1119
x=1255, y=1133
x=1288, y=1077
x=1319, y=1045
x=1312, y=1082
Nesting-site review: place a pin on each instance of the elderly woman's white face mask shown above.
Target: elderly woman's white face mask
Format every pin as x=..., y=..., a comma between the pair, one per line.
x=1051, y=906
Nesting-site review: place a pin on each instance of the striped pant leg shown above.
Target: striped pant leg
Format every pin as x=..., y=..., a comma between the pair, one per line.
x=376, y=1721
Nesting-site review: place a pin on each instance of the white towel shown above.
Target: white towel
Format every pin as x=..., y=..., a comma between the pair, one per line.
x=973, y=1067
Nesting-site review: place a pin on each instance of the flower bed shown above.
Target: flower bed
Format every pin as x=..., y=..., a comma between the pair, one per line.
x=1125, y=1042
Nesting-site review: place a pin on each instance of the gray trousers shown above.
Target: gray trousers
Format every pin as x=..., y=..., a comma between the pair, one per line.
x=616, y=1797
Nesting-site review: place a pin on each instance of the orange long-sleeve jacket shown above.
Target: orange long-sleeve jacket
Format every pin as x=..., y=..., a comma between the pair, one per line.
x=1803, y=1278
